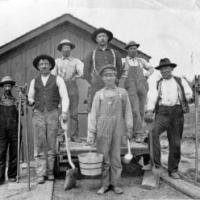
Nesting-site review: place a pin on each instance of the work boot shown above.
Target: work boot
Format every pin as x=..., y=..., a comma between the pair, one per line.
x=118, y=190
x=41, y=180
x=103, y=190
x=174, y=175
x=12, y=179
x=50, y=177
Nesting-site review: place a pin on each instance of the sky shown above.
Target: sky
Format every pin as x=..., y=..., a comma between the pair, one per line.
x=164, y=28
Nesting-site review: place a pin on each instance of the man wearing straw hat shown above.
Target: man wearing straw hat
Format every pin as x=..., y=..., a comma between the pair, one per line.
x=45, y=93
x=70, y=68
x=168, y=99
x=8, y=130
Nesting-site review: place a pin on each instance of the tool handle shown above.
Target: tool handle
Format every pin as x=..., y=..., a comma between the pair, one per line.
x=129, y=146
x=64, y=127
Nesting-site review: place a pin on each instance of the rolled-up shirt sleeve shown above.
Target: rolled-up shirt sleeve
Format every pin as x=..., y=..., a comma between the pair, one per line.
x=187, y=89
x=92, y=123
x=31, y=92
x=79, y=68
x=148, y=70
x=63, y=94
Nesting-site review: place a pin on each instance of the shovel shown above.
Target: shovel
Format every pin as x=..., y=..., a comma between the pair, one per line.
x=128, y=157
x=71, y=174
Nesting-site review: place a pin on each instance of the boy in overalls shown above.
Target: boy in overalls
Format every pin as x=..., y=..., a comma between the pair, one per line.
x=111, y=116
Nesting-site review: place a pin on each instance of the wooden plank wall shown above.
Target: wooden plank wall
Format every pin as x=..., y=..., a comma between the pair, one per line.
x=18, y=63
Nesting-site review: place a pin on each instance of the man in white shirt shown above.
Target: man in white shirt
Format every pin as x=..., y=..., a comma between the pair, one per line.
x=136, y=73
x=168, y=99
x=70, y=68
x=45, y=93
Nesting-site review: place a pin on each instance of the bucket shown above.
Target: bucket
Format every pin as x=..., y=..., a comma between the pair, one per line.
x=90, y=163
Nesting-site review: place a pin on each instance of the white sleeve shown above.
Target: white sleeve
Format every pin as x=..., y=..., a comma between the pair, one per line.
x=187, y=89
x=152, y=94
x=31, y=92
x=63, y=94
x=79, y=68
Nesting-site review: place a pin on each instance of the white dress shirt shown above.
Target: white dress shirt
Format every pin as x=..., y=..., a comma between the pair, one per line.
x=169, y=93
x=61, y=88
x=68, y=68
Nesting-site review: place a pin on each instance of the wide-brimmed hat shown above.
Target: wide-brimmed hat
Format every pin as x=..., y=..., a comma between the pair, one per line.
x=44, y=57
x=131, y=43
x=107, y=67
x=66, y=42
x=165, y=62
x=101, y=30
x=7, y=80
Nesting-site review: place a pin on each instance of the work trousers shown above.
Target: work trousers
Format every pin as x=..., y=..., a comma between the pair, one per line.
x=137, y=88
x=73, y=94
x=170, y=119
x=45, y=128
x=110, y=128
x=8, y=139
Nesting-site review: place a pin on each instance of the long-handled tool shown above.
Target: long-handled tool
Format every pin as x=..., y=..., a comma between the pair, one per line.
x=196, y=92
x=129, y=156
x=71, y=174
x=18, y=135
x=151, y=179
x=27, y=143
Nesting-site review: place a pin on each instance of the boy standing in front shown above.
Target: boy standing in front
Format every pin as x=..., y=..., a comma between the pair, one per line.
x=111, y=116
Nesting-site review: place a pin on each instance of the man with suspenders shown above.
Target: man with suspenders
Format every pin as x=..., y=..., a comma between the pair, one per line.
x=100, y=56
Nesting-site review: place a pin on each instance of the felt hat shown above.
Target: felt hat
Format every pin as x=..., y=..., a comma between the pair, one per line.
x=7, y=80
x=66, y=42
x=44, y=57
x=104, y=68
x=165, y=62
x=102, y=30
x=130, y=44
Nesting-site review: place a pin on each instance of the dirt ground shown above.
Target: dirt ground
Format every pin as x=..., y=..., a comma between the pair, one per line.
x=131, y=182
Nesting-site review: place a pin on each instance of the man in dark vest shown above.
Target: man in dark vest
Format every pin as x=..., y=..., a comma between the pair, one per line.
x=8, y=130
x=168, y=99
x=46, y=92
x=100, y=56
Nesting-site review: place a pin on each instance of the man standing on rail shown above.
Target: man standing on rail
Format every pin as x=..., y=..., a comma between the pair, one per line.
x=168, y=99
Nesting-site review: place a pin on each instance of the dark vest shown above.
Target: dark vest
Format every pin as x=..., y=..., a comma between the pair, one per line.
x=46, y=97
x=184, y=103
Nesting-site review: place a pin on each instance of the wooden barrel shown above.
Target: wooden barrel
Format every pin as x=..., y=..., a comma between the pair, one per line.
x=90, y=163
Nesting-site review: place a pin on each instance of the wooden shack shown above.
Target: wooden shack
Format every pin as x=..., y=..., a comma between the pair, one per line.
x=16, y=56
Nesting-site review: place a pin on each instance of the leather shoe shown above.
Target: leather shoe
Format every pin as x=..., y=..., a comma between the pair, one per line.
x=41, y=180
x=174, y=175
x=118, y=190
x=50, y=177
x=103, y=190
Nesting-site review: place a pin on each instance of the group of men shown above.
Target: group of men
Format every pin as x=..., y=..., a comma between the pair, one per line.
x=164, y=102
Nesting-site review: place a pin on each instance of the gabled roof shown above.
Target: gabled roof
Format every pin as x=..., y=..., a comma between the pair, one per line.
x=52, y=24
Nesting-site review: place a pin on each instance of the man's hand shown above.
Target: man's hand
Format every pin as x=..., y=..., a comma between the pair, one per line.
x=149, y=116
x=90, y=140
x=129, y=135
x=64, y=117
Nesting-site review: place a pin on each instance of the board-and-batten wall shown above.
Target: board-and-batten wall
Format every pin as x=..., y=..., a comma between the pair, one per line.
x=18, y=63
